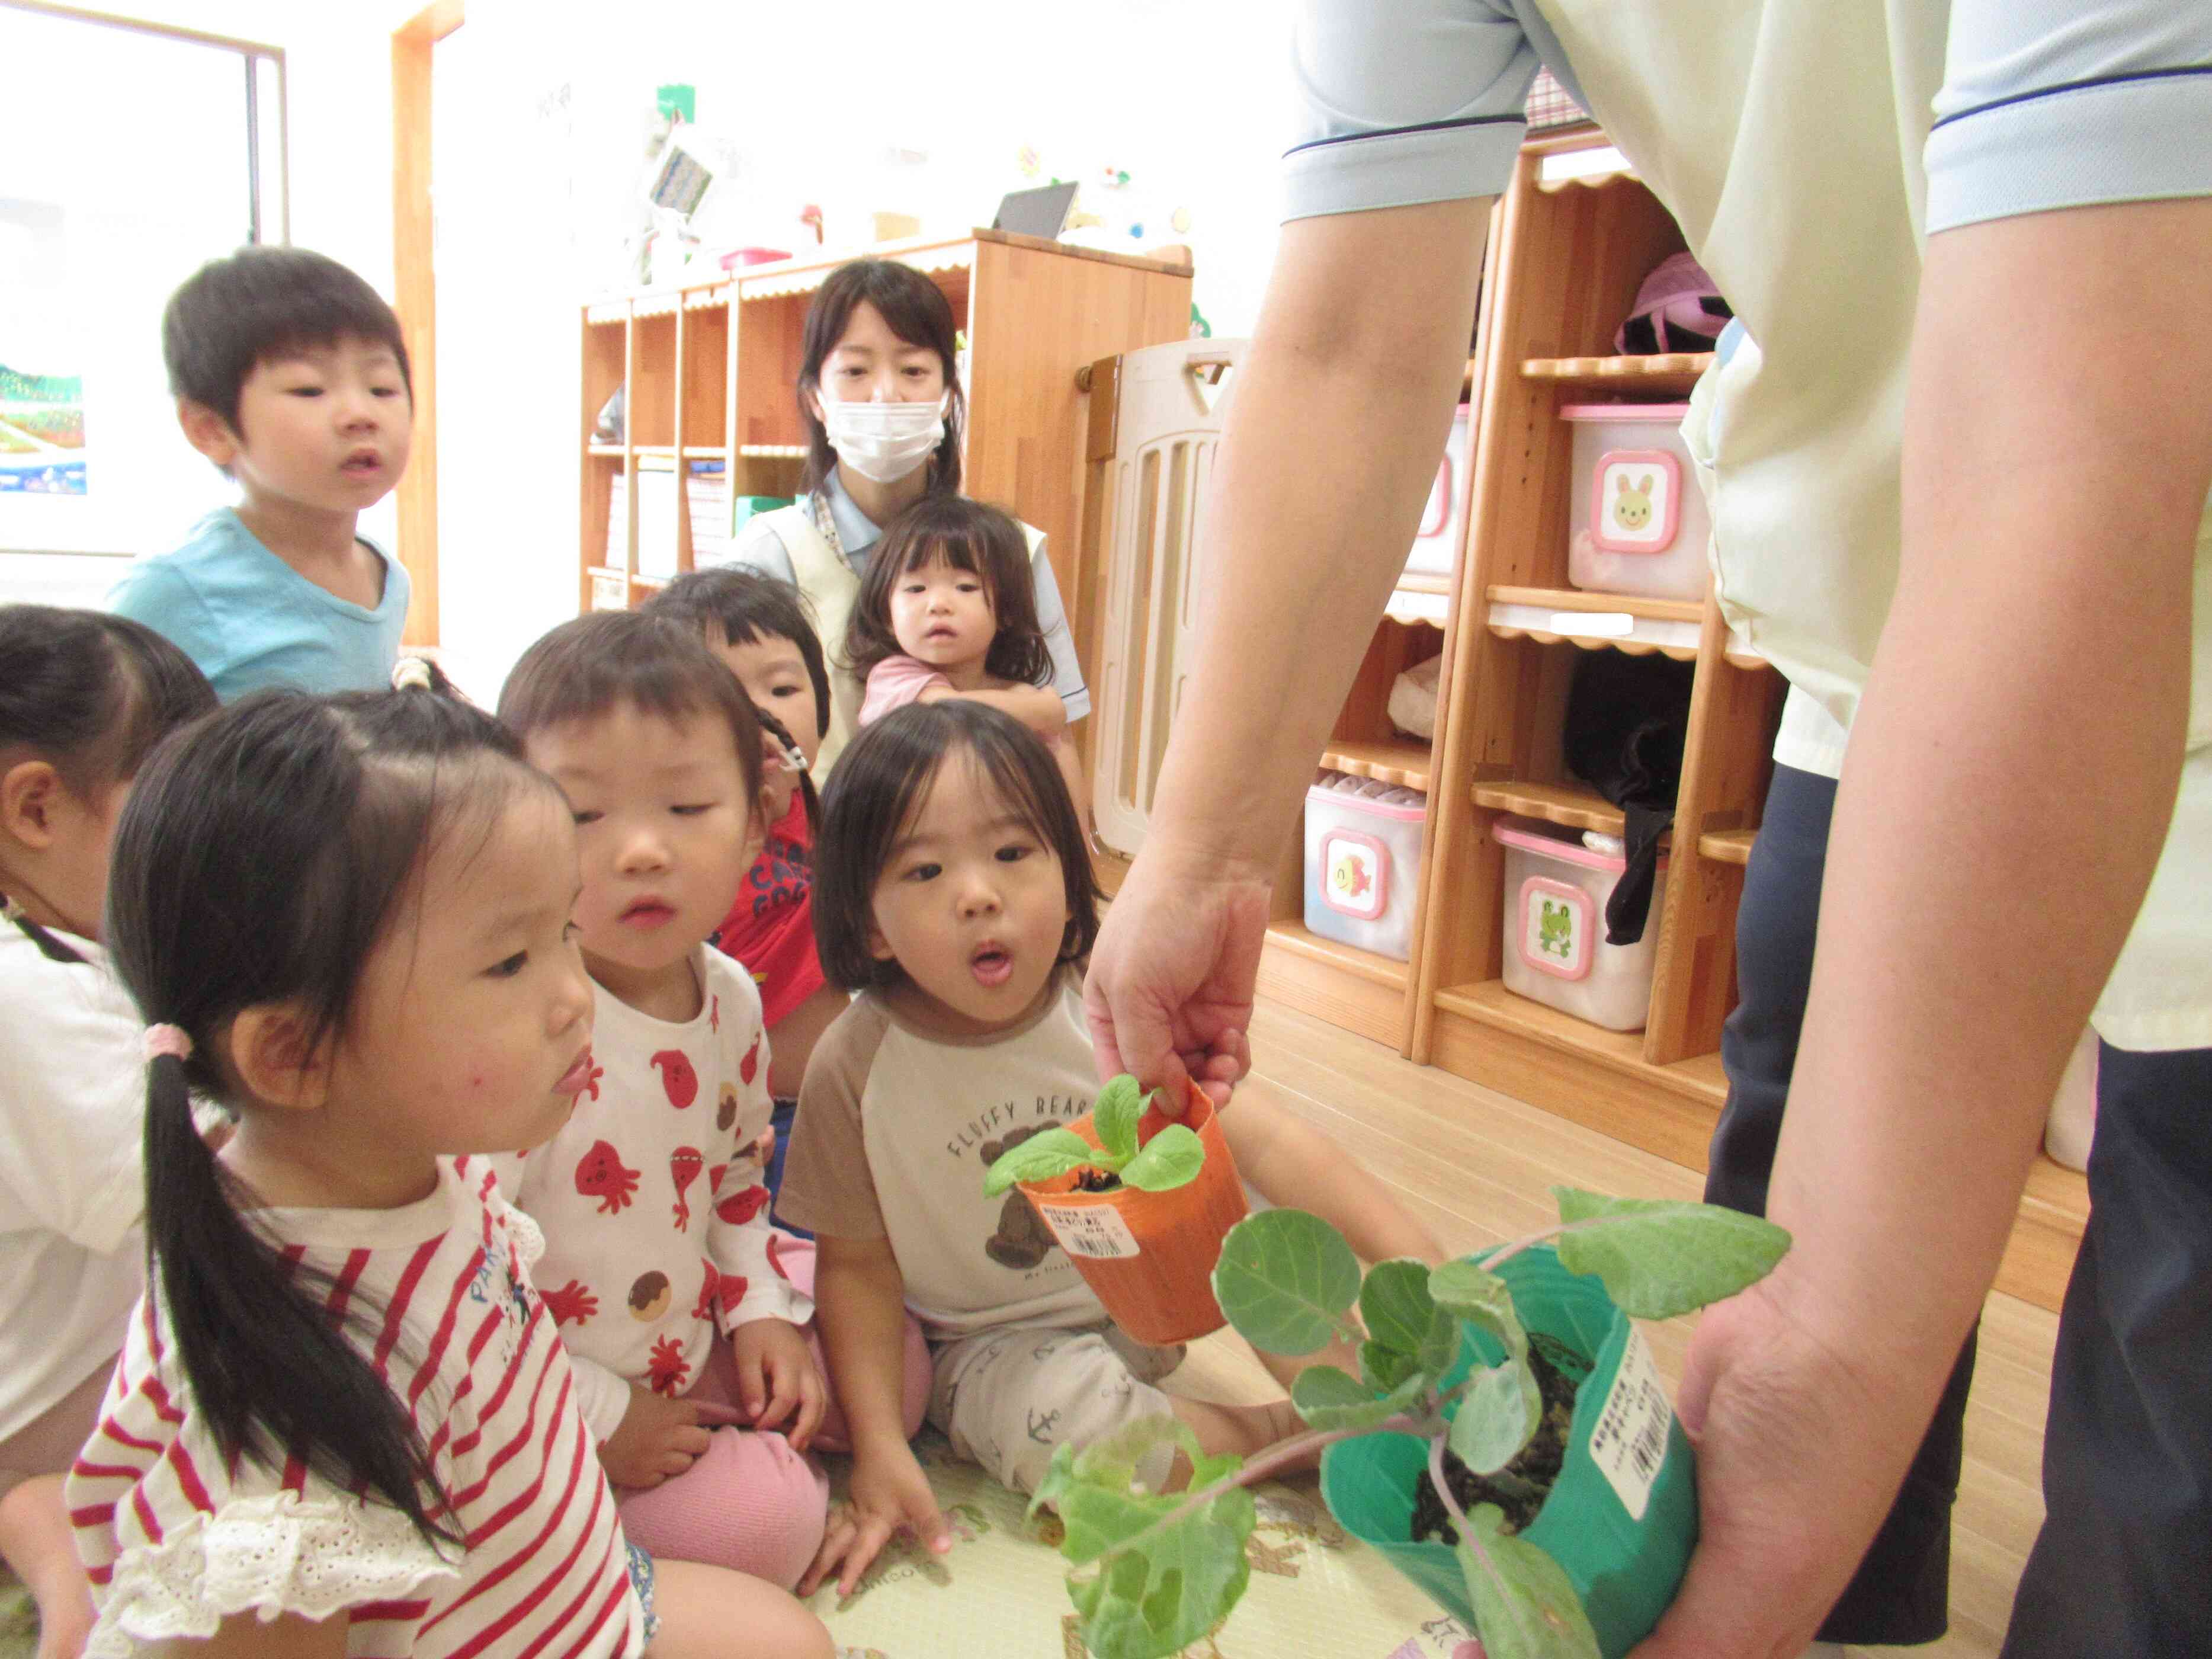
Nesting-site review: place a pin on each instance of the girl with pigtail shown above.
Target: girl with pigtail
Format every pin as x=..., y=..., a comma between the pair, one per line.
x=342, y=1422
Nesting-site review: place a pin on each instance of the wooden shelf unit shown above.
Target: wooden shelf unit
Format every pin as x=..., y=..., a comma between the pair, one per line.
x=1565, y=268
x=710, y=369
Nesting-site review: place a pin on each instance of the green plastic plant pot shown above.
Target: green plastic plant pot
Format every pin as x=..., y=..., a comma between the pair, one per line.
x=1622, y=1517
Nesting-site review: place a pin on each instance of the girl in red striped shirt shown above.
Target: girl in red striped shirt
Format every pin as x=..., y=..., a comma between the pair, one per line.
x=343, y=1422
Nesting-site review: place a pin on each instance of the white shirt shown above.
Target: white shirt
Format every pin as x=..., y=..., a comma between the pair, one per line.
x=655, y=1216
x=72, y=1123
x=1807, y=150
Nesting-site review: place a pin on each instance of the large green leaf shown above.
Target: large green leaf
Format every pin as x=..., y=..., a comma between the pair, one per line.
x=1171, y=1587
x=1496, y=1417
x=1170, y=1158
x=1285, y=1279
x=1114, y=1114
x=1329, y=1399
x=1040, y=1158
x=1399, y=1313
x=1525, y=1607
x=1659, y=1257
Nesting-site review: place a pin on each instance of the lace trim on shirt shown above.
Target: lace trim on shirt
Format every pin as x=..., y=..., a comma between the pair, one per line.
x=271, y=1555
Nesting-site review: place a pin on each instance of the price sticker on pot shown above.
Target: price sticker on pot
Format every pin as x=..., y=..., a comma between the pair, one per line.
x=1630, y=1441
x=1091, y=1230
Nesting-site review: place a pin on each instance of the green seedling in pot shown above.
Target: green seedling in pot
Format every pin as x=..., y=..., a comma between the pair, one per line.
x=1172, y=1157
x=1155, y=1572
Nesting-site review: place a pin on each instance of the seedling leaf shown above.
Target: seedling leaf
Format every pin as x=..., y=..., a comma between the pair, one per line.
x=1329, y=1399
x=1481, y=1298
x=1525, y=1606
x=1284, y=1279
x=1659, y=1257
x=1171, y=1587
x=1170, y=1158
x=1396, y=1306
x=1040, y=1157
x=1382, y=1369
x=1497, y=1417
x=1114, y=1114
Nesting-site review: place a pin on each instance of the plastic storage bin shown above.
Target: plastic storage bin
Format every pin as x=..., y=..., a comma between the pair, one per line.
x=1437, y=542
x=1363, y=862
x=1555, y=950
x=1636, y=520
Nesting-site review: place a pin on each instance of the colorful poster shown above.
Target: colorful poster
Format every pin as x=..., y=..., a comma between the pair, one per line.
x=42, y=448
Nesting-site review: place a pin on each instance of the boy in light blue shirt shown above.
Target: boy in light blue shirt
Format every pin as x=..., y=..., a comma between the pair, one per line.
x=291, y=375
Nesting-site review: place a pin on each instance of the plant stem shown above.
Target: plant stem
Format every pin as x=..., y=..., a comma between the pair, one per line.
x=1264, y=1463
x=1445, y=1492
x=1506, y=1252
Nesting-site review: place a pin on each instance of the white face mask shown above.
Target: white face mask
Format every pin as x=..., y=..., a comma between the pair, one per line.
x=883, y=441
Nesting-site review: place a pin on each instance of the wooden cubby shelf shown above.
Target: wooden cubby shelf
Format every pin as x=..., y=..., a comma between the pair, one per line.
x=607, y=452
x=1728, y=846
x=1671, y=372
x=1555, y=803
x=1404, y=761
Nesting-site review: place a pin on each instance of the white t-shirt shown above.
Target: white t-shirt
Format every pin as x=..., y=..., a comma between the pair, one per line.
x=655, y=1216
x=898, y=1125
x=1807, y=150
x=72, y=1124
x=175, y=1538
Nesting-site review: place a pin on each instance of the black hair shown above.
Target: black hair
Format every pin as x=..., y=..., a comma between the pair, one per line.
x=237, y=311
x=967, y=535
x=584, y=668
x=915, y=309
x=749, y=605
x=874, y=794
x=90, y=694
x=264, y=856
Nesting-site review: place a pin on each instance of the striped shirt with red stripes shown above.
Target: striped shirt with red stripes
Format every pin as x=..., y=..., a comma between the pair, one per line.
x=176, y=1537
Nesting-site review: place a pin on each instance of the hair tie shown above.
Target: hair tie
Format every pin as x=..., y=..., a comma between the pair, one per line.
x=171, y=1040
x=793, y=761
x=412, y=674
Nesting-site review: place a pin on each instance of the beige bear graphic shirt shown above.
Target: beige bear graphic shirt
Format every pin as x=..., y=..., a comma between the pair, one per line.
x=897, y=1124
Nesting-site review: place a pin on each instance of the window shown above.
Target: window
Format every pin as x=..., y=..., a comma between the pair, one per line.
x=137, y=154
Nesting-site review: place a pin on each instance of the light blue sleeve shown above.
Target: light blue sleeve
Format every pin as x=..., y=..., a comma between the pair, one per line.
x=1052, y=617
x=156, y=593
x=1419, y=101
x=2050, y=104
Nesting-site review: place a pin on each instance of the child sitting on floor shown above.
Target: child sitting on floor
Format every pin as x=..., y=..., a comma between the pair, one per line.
x=954, y=895
x=83, y=699
x=342, y=1422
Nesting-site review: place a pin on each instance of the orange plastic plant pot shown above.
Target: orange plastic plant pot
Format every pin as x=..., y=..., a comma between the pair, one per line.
x=1149, y=1256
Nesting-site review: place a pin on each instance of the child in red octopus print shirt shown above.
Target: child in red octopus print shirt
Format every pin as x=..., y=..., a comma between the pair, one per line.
x=672, y=1292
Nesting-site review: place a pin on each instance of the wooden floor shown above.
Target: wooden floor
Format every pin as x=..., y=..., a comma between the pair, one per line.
x=1476, y=1167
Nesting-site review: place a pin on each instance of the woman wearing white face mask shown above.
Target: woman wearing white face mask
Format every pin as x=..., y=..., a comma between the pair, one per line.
x=879, y=393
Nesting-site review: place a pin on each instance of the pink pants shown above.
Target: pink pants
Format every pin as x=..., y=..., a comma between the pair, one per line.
x=750, y=1502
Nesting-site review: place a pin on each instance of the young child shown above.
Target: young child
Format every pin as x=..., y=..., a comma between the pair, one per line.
x=671, y=1289
x=947, y=610
x=83, y=698
x=291, y=375
x=953, y=893
x=342, y=1422
x=758, y=627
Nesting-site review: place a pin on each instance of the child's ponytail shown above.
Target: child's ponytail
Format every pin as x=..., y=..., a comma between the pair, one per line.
x=794, y=759
x=260, y=861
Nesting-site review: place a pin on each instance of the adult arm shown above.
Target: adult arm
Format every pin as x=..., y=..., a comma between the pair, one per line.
x=2011, y=778
x=1342, y=409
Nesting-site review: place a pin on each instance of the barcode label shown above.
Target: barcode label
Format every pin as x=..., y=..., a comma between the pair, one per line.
x=1630, y=1441
x=1091, y=1230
